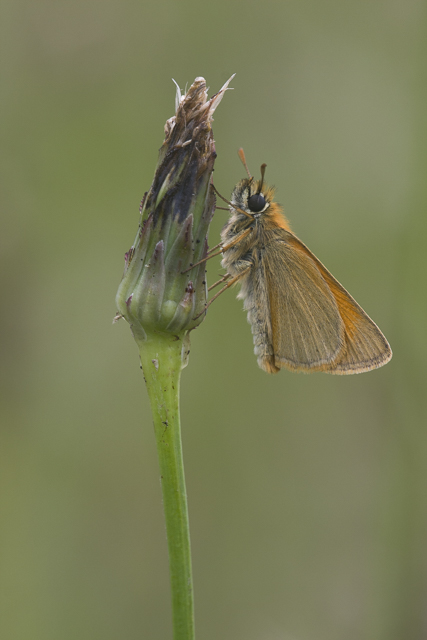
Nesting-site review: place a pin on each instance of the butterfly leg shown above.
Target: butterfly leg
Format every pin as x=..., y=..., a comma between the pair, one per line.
x=208, y=257
x=223, y=279
x=215, y=247
x=227, y=286
x=223, y=248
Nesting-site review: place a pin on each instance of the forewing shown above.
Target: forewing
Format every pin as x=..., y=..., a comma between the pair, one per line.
x=364, y=347
x=307, y=329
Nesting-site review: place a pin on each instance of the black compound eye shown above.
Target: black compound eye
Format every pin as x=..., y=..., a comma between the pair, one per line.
x=256, y=203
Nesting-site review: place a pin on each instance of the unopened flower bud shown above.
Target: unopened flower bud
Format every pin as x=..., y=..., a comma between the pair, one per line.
x=159, y=292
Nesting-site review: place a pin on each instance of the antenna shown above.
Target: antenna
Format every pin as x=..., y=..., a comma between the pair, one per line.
x=243, y=159
x=263, y=166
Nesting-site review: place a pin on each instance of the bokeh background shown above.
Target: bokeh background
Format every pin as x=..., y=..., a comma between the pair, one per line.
x=307, y=494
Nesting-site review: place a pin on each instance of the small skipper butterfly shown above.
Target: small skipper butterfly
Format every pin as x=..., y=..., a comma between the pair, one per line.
x=302, y=318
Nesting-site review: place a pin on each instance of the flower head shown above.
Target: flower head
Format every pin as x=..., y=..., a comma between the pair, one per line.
x=157, y=292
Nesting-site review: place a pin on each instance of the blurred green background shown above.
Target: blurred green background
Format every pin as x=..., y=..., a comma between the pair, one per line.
x=307, y=494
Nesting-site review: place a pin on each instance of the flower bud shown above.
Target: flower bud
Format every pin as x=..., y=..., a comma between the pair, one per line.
x=157, y=293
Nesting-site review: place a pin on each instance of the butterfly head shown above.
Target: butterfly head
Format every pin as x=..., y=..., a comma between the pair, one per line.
x=255, y=200
x=253, y=196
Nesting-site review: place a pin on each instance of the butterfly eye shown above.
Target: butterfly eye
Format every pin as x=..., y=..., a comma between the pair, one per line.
x=256, y=203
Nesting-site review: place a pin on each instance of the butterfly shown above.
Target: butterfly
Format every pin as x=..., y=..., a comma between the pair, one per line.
x=302, y=318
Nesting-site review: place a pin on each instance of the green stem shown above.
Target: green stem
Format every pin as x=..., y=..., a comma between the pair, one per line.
x=161, y=362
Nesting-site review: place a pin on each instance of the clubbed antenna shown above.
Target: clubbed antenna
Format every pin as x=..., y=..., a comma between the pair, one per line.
x=243, y=159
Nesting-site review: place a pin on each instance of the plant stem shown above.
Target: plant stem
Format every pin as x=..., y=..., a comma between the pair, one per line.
x=161, y=362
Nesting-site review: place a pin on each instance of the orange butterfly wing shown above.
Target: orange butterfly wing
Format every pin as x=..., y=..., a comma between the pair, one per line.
x=316, y=324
